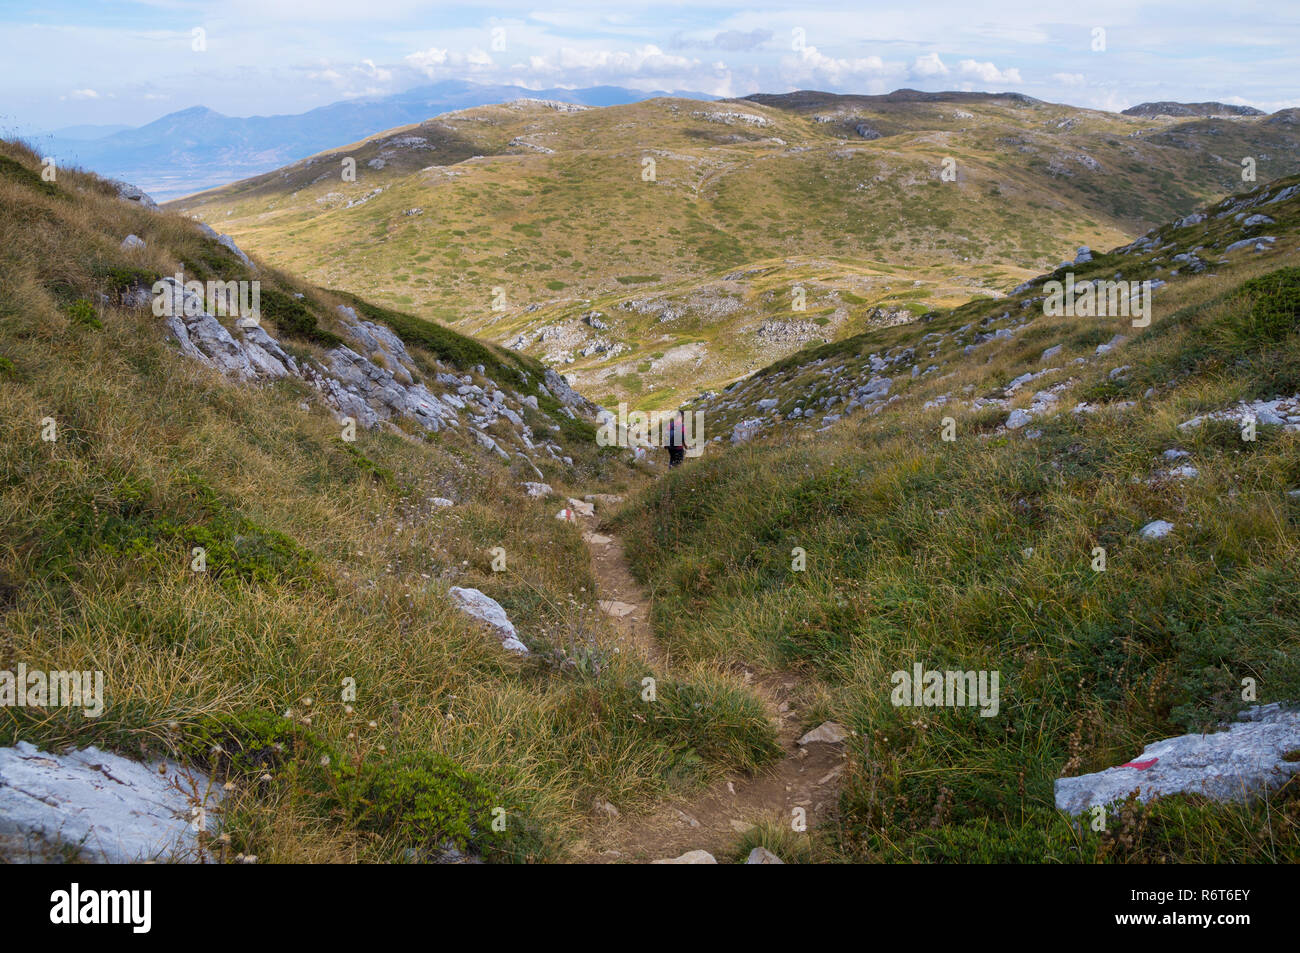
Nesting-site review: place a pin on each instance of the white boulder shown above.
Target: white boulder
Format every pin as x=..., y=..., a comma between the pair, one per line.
x=1248, y=759
x=480, y=606
x=1157, y=529
x=102, y=806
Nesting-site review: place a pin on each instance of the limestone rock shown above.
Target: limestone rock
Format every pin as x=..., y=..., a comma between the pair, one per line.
x=829, y=732
x=130, y=193
x=690, y=857
x=1157, y=529
x=104, y=807
x=761, y=855
x=1246, y=760
x=1018, y=418
x=484, y=607
x=581, y=507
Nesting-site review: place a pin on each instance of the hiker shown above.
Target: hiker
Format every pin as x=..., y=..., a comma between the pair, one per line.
x=675, y=439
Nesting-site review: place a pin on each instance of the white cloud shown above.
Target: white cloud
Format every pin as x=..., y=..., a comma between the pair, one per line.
x=1068, y=79
x=929, y=65
x=377, y=73
x=645, y=67
x=83, y=94
x=435, y=62
x=812, y=64
x=988, y=73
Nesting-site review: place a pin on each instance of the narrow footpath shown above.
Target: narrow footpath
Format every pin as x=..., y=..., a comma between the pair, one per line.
x=713, y=820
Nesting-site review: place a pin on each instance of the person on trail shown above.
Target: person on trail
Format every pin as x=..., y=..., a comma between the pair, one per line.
x=675, y=439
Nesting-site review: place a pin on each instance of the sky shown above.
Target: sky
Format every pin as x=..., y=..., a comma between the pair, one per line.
x=72, y=62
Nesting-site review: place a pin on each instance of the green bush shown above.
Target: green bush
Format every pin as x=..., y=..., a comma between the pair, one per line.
x=117, y=278
x=82, y=312
x=1266, y=311
x=294, y=318
x=249, y=743
x=430, y=803
x=122, y=518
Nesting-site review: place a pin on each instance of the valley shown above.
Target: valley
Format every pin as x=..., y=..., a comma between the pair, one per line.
x=769, y=224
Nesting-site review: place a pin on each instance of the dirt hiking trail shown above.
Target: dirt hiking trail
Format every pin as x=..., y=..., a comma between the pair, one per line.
x=714, y=819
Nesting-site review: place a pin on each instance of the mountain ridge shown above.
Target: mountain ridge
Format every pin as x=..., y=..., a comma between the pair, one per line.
x=234, y=147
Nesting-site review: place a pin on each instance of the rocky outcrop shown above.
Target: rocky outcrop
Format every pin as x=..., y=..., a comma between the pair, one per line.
x=729, y=117
x=226, y=242
x=1210, y=110
x=100, y=808
x=1281, y=412
x=1259, y=753
x=205, y=339
x=566, y=395
x=376, y=383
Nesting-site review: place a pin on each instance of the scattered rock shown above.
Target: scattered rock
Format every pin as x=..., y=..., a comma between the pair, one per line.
x=130, y=193
x=690, y=857
x=761, y=855
x=828, y=732
x=484, y=607
x=1111, y=344
x=581, y=507
x=1157, y=529
x=746, y=430
x=1018, y=418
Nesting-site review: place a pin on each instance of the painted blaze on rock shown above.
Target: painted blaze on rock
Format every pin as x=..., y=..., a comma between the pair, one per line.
x=1246, y=760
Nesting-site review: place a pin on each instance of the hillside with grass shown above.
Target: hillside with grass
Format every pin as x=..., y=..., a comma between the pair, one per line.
x=541, y=225
x=328, y=564
x=1106, y=515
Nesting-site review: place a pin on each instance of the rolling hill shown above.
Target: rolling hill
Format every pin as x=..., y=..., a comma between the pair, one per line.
x=539, y=226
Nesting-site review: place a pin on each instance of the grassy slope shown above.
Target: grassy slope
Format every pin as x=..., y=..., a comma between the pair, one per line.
x=977, y=554
x=863, y=224
x=325, y=561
